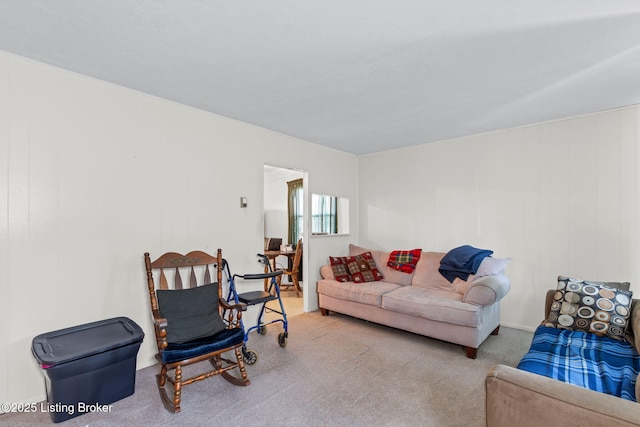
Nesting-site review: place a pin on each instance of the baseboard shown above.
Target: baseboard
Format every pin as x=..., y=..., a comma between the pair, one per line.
x=520, y=327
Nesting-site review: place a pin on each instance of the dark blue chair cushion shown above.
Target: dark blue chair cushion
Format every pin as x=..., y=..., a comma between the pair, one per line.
x=176, y=352
x=191, y=313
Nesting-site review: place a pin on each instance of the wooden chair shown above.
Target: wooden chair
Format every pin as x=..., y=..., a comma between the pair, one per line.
x=189, y=324
x=294, y=271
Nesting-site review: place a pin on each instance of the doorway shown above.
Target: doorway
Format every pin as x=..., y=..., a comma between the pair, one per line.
x=284, y=222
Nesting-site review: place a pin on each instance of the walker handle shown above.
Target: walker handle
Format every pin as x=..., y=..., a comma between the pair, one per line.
x=262, y=275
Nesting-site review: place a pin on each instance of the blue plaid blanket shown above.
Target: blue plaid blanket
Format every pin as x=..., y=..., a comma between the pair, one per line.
x=583, y=359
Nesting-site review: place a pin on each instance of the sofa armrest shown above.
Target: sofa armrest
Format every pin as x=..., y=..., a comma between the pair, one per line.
x=487, y=290
x=326, y=272
x=634, y=332
x=519, y=398
x=548, y=300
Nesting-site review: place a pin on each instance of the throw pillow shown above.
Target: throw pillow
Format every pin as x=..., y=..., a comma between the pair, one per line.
x=381, y=258
x=593, y=307
x=491, y=266
x=339, y=268
x=191, y=313
x=618, y=285
x=362, y=268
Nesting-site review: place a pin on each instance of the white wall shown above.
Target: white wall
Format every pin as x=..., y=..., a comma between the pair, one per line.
x=557, y=198
x=93, y=175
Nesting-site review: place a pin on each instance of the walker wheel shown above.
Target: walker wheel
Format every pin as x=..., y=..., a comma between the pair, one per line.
x=262, y=329
x=250, y=357
x=282, y=339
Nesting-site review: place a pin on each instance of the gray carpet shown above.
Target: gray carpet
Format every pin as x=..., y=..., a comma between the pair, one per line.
x=336, y=371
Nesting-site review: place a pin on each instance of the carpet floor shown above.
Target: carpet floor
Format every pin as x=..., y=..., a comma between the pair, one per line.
x=335, y=371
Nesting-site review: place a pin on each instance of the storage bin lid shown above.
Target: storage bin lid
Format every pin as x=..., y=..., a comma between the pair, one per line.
x=66, y=345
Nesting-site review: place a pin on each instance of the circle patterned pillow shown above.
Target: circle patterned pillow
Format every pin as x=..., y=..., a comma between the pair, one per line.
x=592, y=307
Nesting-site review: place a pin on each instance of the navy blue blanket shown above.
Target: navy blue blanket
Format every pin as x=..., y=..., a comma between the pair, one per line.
x=462, y=261
x=585, y=360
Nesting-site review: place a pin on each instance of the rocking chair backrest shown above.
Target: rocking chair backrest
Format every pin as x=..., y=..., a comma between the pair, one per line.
x=171, y=268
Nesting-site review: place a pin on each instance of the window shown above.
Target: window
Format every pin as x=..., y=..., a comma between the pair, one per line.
x=296, y=211
x=324, y=214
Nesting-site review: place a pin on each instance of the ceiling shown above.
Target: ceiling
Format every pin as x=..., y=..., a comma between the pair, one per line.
x=360, y=76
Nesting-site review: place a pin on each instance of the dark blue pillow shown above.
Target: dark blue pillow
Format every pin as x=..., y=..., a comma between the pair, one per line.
x=191, y=313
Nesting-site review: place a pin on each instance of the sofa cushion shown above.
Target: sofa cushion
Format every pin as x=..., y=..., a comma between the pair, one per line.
x=362, y=268
x=426, y=275
x=440, y=305
x=390, y=275
x=327, y=272
x=367, y=293
x=339, y=268
x=593, y=307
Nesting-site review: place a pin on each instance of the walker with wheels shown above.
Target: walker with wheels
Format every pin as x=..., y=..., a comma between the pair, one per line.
x=259, y=298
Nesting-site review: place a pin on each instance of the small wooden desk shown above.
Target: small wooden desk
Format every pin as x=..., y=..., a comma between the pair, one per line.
x=272, y=255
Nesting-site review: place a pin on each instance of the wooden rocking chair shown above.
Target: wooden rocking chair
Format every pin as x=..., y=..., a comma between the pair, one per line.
x=188, y=321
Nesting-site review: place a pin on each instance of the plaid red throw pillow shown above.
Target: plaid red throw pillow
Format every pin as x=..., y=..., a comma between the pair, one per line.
x=340, y=269
x=363, y=268
x=404, y=261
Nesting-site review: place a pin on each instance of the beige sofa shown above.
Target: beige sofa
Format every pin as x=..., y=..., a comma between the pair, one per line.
x=518, y=398
x=424, y=302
